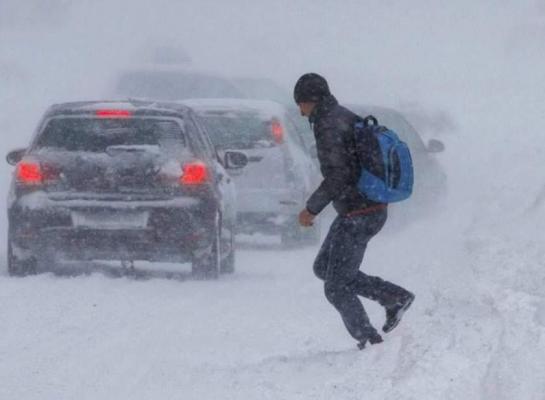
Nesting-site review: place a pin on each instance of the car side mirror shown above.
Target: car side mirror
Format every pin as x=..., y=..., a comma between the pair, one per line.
x=15, y=156
x=435, y=146
x=235, y=160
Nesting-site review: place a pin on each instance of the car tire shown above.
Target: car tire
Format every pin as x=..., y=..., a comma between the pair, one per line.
x=208, y=266
x=228, y=263
x=20, y=267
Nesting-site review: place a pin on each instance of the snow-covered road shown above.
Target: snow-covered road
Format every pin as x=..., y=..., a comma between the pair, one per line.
x=477, y=328
x=267, y=332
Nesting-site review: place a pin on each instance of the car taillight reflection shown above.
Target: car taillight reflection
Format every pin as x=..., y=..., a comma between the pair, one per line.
x=29, y=173
x=194, y=174
x=277, y=131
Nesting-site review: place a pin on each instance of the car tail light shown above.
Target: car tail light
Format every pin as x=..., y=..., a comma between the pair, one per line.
x=194, y=174
x=33, y=173
x=110, y=113
x=29, y=173
x=277, y=131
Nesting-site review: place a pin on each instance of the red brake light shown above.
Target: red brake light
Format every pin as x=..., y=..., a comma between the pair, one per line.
x=277, y=131
x=30, y=173
x=194, y=174
x=113, y=113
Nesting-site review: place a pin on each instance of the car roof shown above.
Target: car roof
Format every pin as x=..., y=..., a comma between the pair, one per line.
x=135, y=106
x=266, y=108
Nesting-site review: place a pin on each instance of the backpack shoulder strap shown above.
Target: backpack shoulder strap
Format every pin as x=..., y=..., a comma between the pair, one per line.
x=370, y=120
x=368, y=145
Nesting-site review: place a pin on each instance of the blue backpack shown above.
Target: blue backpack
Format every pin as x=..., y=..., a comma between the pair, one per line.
x=386, y=177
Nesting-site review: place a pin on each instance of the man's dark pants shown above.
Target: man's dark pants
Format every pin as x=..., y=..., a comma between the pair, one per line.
x=338, y=265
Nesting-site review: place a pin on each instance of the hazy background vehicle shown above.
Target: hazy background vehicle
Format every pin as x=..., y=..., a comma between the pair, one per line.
x=260, y=88
x=121, y=181
x=173, y=82
x=280, y=175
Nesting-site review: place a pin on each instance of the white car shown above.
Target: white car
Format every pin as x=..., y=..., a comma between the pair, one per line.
x=280, y=175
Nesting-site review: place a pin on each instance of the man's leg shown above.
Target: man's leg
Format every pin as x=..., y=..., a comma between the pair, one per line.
x=347, y=241
x=374, y=288
x=322, y=259
x=395, y=299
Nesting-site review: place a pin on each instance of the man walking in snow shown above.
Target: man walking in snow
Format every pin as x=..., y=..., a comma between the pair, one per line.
x=358, y=220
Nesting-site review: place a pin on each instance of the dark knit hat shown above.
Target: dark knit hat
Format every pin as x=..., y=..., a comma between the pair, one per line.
x=310, y=87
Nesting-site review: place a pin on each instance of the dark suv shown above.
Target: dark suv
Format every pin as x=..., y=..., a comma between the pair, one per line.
x=122, y=181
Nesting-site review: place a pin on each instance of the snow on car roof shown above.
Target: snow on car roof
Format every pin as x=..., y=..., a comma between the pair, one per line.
x=125, y=104
x=266, y=108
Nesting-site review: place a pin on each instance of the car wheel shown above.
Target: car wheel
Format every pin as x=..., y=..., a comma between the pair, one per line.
x=228, y=263
x=20, y=267
x=207, y=266
x=46, y=261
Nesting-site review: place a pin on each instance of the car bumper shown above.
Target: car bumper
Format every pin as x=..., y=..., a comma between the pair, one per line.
x=273, y=201
x=271, y=223
x=166, y=230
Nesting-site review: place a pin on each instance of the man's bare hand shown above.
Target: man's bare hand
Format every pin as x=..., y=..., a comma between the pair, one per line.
x=306, y=218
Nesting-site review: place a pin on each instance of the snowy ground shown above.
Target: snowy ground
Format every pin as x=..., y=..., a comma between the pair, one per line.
x=477, y=327
x=268, y=332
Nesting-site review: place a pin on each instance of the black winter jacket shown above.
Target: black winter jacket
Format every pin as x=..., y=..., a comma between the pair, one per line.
x=333, y=127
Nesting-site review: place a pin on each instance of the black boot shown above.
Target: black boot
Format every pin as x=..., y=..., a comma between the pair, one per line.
x=395, y=312
x=373, y=339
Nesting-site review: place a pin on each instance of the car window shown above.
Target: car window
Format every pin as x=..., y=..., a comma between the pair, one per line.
x=203, y=138
x=96, y=135
x=241, y=130
x=196, y=138
x=206, y=135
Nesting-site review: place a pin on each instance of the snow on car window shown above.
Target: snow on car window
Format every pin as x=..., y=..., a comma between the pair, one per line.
x=96, y=135
x=229, y=129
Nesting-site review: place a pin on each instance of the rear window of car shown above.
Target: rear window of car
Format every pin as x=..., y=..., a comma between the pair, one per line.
x=96, y=135
x=230, y=129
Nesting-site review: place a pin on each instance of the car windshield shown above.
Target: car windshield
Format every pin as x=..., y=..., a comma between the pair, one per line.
x=172, y=85
x=229, y=129
x=96, y=135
